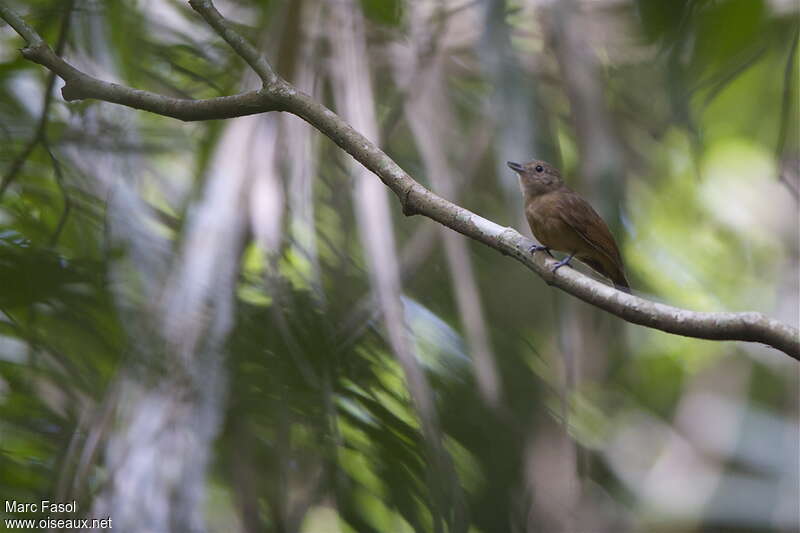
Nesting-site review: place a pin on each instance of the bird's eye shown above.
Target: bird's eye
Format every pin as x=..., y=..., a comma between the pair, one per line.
x=539, y=168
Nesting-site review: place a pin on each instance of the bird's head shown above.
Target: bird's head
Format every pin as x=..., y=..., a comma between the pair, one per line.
x=537, y=177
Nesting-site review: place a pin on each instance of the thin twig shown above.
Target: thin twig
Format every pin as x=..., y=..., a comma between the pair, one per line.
x=81, y=86
x=247, y=51
x=729, y=77
x=47, y=98
x=62, y=220
x=23, y=156
x=20, y=26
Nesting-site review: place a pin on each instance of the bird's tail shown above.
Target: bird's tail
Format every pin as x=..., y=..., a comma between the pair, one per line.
x=612, y=272
x=620, y=282
x=624, y=287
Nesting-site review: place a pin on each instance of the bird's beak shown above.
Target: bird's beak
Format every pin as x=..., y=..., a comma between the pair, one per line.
x=516, y=167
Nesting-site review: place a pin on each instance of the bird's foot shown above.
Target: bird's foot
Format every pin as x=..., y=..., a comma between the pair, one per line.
x=537, y=248
x=563, y=262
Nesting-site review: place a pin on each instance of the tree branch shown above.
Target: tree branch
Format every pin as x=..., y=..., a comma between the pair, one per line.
x=20, y=26
x=81, y=86
x=279, y=95
x=247, y=51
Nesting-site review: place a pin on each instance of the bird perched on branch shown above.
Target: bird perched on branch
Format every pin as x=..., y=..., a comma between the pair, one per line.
x=563, y=221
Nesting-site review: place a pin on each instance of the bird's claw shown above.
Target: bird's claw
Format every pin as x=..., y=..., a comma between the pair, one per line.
x=537, y=248
x=563, y=262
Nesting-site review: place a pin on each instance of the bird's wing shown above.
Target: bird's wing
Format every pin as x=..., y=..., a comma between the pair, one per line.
x=578, y=214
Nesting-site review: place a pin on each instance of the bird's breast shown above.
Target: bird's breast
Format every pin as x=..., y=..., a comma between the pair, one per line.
x=548, y=226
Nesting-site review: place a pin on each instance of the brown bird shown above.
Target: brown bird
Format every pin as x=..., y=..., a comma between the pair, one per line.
x=561, y=220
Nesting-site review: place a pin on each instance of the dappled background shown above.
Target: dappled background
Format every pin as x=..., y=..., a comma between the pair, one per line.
x=230, y=325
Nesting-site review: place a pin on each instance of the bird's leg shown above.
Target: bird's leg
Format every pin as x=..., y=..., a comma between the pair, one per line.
x=563, y=262
x=538, y=247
